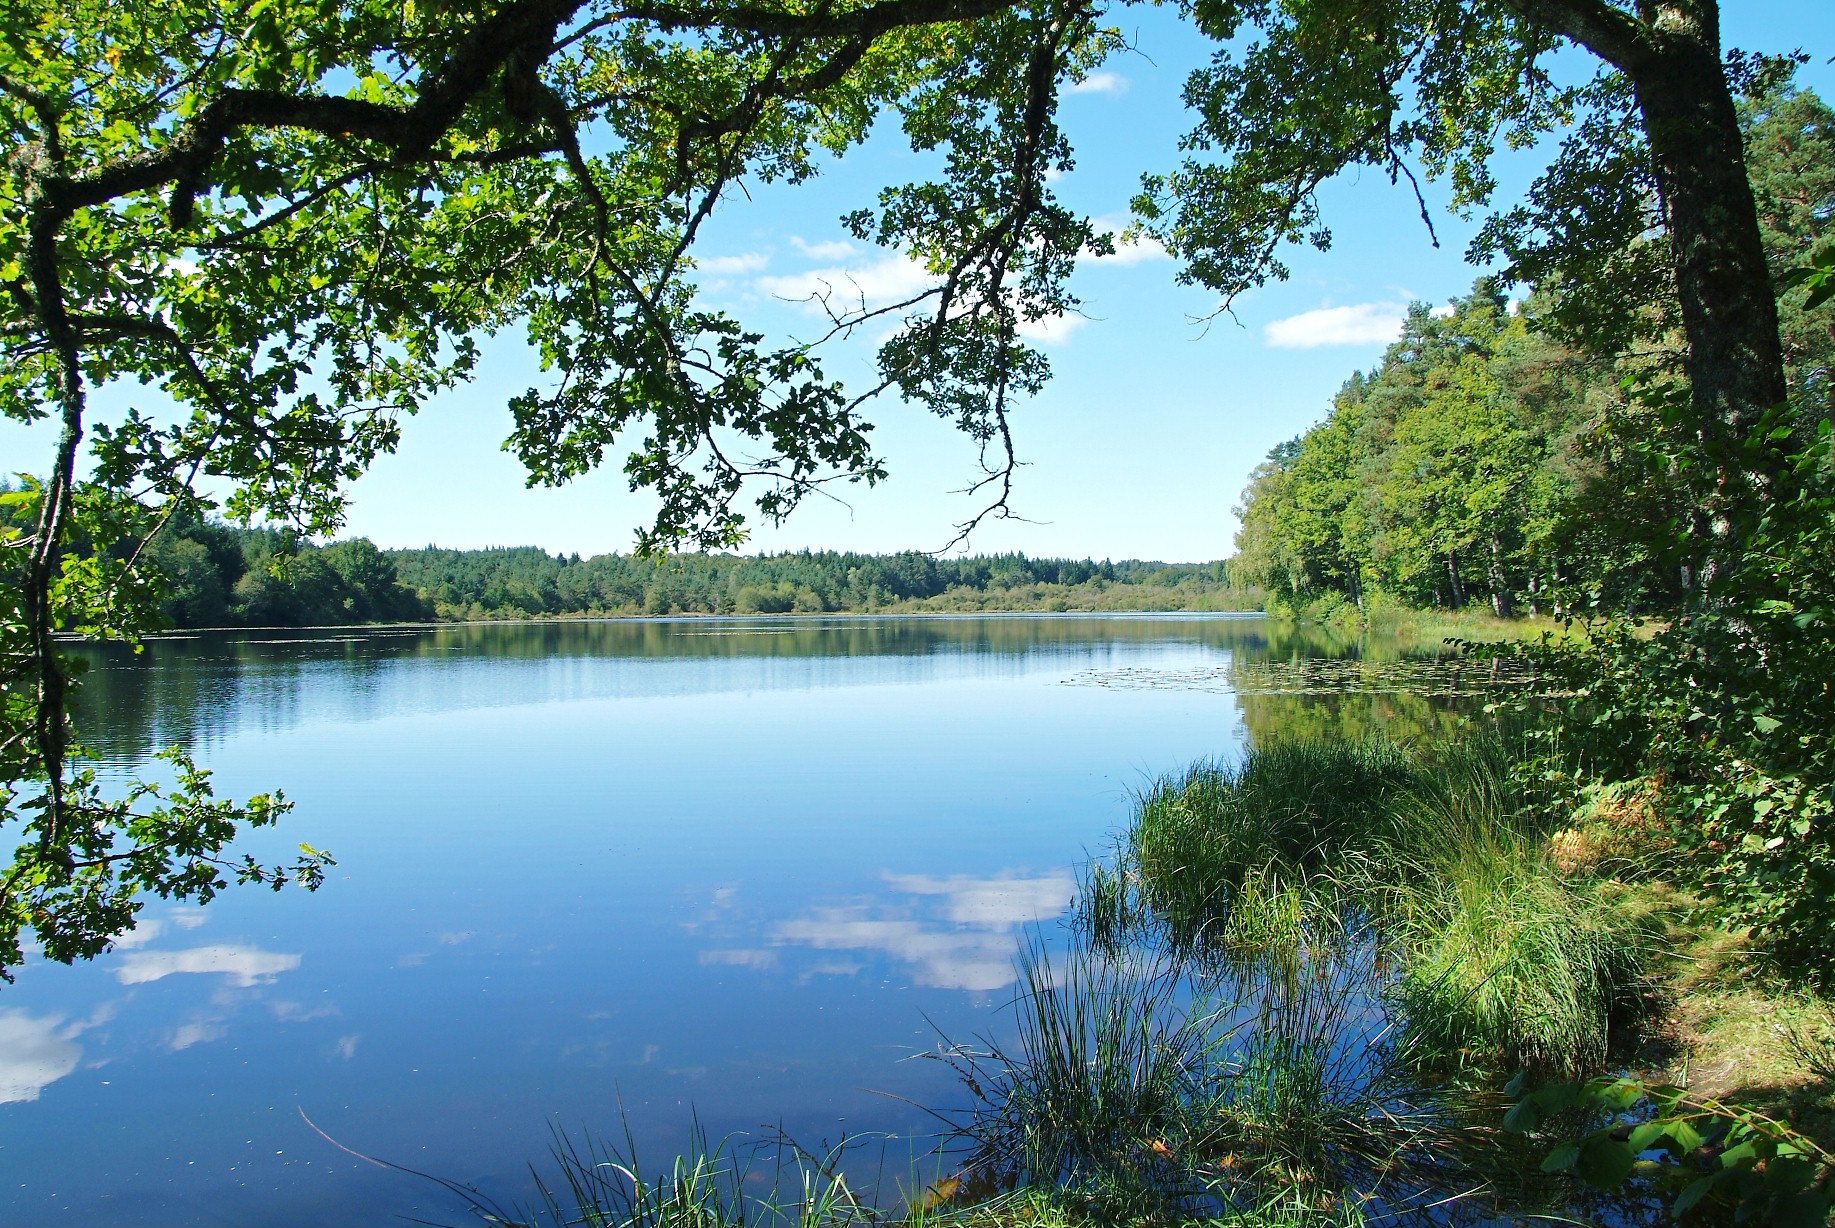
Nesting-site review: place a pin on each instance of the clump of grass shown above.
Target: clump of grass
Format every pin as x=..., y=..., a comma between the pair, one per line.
x=1290, y=810
x=1139, y=1090
x=1503, y=955
x=1114, y=1069
x=1508, y=961
x=1509, y=966
x=711, y=1185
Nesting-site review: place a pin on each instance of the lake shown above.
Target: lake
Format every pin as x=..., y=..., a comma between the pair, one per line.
x=607, y=875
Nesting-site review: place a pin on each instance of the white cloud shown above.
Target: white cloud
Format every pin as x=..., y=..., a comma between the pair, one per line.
x=294, y=1012
x=139, y=935
x=245, y=966
x=35, y=1052
x=993, y=901
x=1356, y=324
x=1136, y=251
x=836, y=249
x=1051, y=330
x=969, y=945
x=749, y=262
x=888, y=280
x=1104, y=82
x=740, y=957
x=977, y=960
x=1128, y=252
x=1442, y=312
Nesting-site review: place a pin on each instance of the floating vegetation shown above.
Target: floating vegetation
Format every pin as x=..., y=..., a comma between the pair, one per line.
x=1445, y=677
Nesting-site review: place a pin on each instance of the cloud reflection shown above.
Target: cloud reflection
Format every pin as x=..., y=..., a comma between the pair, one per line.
x=35, y=1052
x=740, y=957
x=1003, y=901
x=965, y=943
x=197, y=1032
x=245, y=966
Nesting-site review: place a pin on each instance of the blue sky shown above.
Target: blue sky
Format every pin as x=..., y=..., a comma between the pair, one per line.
x=1142, y=443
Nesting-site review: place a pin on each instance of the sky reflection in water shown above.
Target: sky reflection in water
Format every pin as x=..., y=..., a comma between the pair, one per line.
x=725, y=869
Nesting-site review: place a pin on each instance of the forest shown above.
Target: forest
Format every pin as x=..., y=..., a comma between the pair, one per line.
x=1506, y=453
x=212, y=574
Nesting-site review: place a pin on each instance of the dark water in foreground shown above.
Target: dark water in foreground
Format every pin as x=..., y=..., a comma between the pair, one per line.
x=719, y=868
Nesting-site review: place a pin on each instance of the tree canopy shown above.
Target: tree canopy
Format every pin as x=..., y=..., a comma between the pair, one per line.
x=1493, y=452
x=297, y=218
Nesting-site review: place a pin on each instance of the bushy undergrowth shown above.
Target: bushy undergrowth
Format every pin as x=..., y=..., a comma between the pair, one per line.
x=1723, y=712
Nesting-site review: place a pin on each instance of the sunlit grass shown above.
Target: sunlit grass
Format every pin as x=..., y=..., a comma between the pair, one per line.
x=1222, y=846
x=1499, y=958
x=1148, y=1088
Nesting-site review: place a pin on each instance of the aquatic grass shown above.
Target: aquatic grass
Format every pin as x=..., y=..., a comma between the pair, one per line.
x=1113, y=1066
x=771, y=1183
x=1502, y=956
x=1509, y=962
x=1144, y=1087
x=1291, y=812
x=1508, y=966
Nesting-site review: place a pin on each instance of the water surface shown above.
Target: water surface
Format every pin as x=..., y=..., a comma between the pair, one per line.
x=733, y=870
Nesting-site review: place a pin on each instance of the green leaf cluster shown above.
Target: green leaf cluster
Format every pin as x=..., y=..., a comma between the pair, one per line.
x=1699, y=1152
x=1499, y=454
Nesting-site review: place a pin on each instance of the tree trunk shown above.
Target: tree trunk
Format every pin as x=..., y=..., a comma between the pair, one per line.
x=1500, y=593
x=1735, y=364
x=1670, y=52
x=1452, y=575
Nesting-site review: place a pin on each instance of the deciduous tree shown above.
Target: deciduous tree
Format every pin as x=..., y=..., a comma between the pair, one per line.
x=296, y=218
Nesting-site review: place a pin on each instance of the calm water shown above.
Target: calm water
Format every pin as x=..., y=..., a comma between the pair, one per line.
x=739, y=870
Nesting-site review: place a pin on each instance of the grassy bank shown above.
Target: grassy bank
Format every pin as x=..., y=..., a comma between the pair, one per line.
x=1503, y=959
x=1382, y=615
x=1518, y=936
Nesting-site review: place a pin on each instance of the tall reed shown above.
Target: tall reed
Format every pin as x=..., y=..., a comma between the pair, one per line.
x=1146, y=1089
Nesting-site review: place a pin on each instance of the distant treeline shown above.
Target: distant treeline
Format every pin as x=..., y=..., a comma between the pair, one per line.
x=526, y=582
x=192, y=571
x=220, y=575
